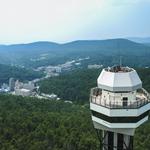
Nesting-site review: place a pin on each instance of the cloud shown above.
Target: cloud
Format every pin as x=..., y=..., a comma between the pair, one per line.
x=61, y=20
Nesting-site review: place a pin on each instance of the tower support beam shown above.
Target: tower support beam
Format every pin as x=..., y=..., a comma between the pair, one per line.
x=114, y=141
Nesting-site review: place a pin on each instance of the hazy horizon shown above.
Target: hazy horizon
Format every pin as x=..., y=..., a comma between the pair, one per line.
x=64, y=21
x=65, y=42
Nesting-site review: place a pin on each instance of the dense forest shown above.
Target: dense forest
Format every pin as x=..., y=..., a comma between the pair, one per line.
x=39, y=124
x=76, y=85
x=22, y=74
x=34, y=124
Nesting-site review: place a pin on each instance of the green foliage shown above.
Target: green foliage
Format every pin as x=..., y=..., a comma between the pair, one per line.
x=33, y=124
x=22, y=74
x=144, y=74
x=76, y=85
x=142, y=137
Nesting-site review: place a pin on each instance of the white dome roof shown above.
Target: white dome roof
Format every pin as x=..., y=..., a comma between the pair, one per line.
x=119, y=79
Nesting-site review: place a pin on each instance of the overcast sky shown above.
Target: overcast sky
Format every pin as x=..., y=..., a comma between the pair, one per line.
x=23, y=21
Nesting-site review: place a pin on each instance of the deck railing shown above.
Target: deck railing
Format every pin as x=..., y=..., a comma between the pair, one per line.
x=95, y=97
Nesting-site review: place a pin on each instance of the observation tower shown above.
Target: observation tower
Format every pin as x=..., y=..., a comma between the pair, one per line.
x=118, y=106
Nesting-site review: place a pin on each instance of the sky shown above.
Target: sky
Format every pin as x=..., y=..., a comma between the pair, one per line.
x=24, y=21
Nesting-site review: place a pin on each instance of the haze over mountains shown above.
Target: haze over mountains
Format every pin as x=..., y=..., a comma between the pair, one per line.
x=106, y=52
x=140, y=39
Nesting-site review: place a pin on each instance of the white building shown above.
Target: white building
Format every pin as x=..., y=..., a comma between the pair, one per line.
x=29, y=86
x=18, y=85
x=51, y=96
x=95, y=66
x=118, y=106
x=11, y=84
x=58, y=69
x=23, y=92
x=25, y=89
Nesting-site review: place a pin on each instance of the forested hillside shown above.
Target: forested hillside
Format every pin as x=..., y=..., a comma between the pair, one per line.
x=33, y=124
x=22, y=74
x=105, y=52
x=76, y=85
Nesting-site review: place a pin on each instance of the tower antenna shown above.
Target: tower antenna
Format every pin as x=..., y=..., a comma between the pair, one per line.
x=120, y=57
x=120, y=61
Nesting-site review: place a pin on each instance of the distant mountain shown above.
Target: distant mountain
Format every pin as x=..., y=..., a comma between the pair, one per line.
x=147, y=44
x=20, y=54
x=106, y=52
x=140, y=40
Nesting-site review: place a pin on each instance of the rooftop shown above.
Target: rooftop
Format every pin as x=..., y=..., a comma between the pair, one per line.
x=119, y=69
x=119, y=79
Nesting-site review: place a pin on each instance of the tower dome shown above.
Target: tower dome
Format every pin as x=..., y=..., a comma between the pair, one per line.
x=119, y=79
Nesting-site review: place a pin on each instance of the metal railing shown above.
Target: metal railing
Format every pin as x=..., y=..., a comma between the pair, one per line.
x=95, y=98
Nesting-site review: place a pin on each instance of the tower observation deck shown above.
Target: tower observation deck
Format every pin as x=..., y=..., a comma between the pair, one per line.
x=118, y=106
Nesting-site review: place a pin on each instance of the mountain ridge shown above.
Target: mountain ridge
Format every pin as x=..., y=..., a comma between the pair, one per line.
x=140, y=39
x=99, y=51
x=70, y=42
